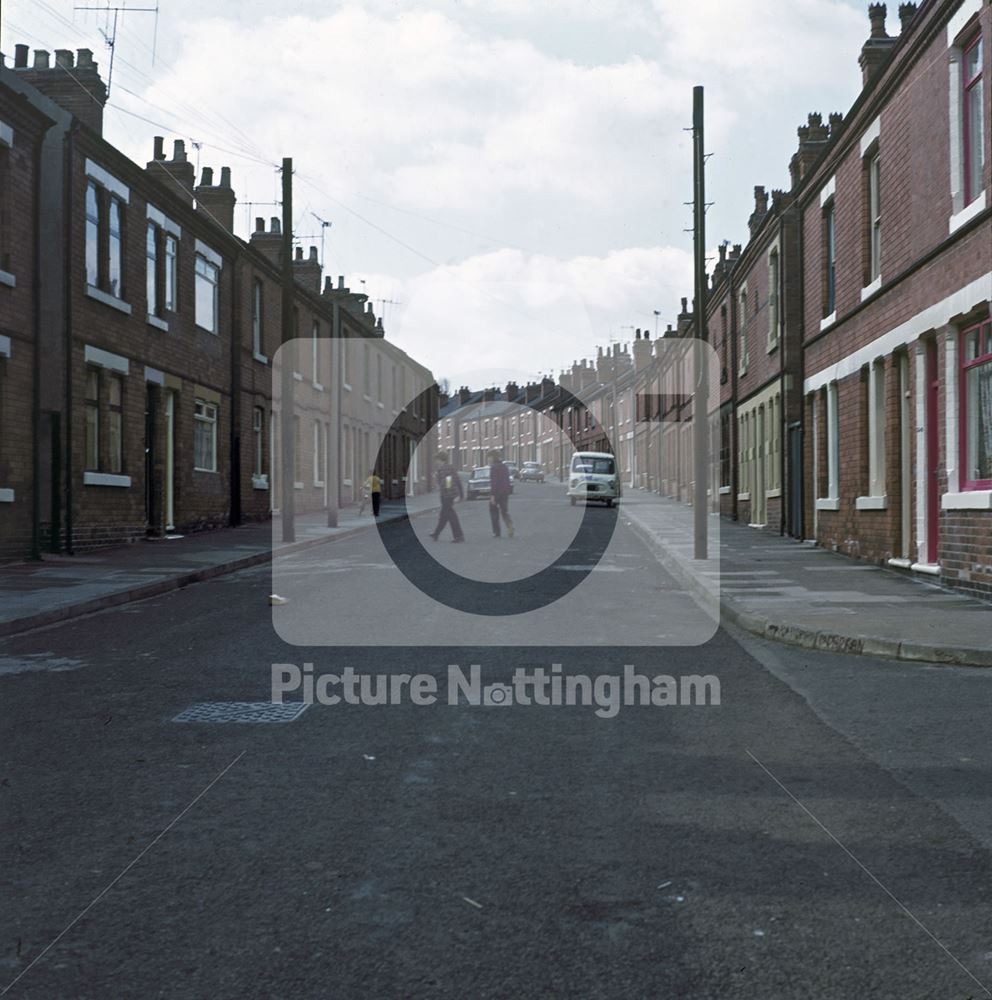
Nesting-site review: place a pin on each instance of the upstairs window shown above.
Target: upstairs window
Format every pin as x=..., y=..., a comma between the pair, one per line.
x=829, y=260
x=160, y=269
x=207, y=276
x=973, y=108
x=774, y=279
x=104, y=240
x=256, y=318
x=742, y=333
x=874, y=269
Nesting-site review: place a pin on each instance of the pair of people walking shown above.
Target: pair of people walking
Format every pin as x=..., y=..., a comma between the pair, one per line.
x=450, y=488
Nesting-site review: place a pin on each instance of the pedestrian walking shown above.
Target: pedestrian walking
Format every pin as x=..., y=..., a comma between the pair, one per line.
x=373, y=487
x=500, y=488
x=449, y=486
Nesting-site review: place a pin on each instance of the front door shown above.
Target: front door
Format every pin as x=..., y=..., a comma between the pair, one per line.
x=151, y=521
x=796, y=480
x=932, y=452
x=169, y=490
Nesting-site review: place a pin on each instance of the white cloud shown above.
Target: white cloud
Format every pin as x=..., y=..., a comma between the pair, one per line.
x=510, y=314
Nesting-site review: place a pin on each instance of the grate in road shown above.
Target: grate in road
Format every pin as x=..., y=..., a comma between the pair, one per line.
x=242, y=711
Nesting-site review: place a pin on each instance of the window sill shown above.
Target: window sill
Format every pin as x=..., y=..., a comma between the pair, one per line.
x=968, y=500
x=206, y=329
x=871, y=503
x=159, y=324
x=297, y=377
x=743, y=496
x=318, y=484
x=105, y=479
x=828, y=503
x=773, y=494
x=773, y=345
x=900, y=563
x=6, y=496
x=932, y=569
x=724, y=491
x=209, y=472
x=259, y=481
x=967, y=213
x=108, y=300
x=6, y=278
x=367, y=398
x=380, y=406
x=316, y=386
x=297, y=486
x=828, y=321
x=260, y=358
x=869, y=290
x=346, y=387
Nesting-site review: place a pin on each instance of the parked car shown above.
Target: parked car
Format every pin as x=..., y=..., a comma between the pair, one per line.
x=513, y=469
x=478, y=484
x=532, y=472
x=593, y=476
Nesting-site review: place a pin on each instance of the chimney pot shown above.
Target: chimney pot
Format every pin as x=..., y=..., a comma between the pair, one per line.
x=225, y=177
x=84, y=59
x=313, y=255
x=299, y=253
x=685, y=304
x=259, y=224
x=341, y=281
x=876, y=17
x=179, y=151
x=208, y=177
x=275, y=226
x=21, y=56
x=907, y=11
x=40, y=59
x=64, y=58
x=158, y=152
x=328, y=284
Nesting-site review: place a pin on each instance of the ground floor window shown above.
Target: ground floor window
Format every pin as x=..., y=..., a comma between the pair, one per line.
x=976, y=392
x=104, y=421
x=258, y=430
x=205, y=436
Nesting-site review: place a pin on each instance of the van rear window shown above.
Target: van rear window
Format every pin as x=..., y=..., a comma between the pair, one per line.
x=593, y=466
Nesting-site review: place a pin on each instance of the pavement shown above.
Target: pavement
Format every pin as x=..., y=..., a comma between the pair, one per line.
x=773, y=587
x=795, y=592
x=35, y=594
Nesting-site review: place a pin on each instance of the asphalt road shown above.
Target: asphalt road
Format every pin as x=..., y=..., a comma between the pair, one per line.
x=775, y=845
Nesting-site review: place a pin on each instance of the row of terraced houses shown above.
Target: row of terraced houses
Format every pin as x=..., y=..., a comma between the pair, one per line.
x=138, y=335
x=852, y=332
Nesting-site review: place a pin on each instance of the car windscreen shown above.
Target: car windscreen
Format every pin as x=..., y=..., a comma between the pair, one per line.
x=482, y=473
x=593, y=466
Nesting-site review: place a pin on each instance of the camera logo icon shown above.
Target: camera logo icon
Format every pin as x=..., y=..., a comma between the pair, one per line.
x=497, y=694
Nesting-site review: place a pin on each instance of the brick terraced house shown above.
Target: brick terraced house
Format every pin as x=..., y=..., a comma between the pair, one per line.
x=897, y=286
x=135, y=381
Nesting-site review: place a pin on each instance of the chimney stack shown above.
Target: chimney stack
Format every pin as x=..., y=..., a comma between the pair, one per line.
x=876, y=49
x=464, y=394
x=814, y=137
x=760, y=209
x=72, y=83
x=306, y=270
x=269, y=244
x=177, y=174
x=217, y=202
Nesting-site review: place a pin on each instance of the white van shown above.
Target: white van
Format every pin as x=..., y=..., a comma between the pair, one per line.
x=593, y=476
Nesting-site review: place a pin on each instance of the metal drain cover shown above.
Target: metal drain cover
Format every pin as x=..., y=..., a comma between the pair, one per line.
x=242, y=711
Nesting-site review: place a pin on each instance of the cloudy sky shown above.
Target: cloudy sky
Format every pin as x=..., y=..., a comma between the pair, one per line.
x=511, y=176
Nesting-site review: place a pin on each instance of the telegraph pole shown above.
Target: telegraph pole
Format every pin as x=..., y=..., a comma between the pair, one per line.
x=288, y=359
x=700, y=402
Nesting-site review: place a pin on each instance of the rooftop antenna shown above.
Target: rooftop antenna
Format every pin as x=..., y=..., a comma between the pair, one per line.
x=109, y=32
x=324, y=225
x=384, y=303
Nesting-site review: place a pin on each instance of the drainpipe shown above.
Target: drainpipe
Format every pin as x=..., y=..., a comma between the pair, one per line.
x=235, y=437
x=36, y=374
x=67, y=167
x=735, y=471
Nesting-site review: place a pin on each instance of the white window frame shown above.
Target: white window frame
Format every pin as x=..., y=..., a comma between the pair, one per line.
x=774, y=297
x=205, y=413
x=742, y=354
x=832, y=500
x=206, y=270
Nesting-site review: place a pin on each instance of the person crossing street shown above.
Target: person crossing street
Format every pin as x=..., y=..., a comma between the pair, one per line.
x=449, y=485
x=500, y=486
